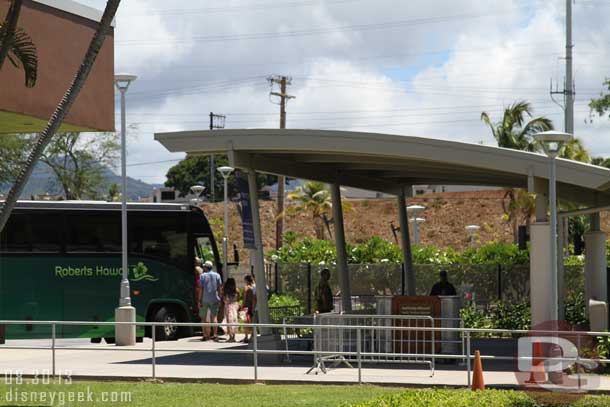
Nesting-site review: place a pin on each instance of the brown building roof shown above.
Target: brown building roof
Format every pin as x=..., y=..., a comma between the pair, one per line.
x=61, y=33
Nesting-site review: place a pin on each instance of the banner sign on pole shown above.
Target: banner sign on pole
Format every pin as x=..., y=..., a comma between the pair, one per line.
x=246, y=209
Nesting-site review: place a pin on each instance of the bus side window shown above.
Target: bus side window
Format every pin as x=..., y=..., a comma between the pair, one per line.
x=45, y=233
x=15, y=236
x=82, y=233
x=162, y=236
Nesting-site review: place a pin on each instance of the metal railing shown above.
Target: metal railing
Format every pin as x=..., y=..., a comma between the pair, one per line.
x=379, y=344
x=359, y=355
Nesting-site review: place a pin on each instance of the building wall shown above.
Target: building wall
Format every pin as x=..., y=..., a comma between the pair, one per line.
x=61, y=39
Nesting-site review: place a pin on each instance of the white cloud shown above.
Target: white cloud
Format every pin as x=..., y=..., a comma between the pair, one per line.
x=423, y=68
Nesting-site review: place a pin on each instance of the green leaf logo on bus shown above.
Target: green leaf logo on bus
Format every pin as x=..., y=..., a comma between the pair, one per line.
x=140, y=272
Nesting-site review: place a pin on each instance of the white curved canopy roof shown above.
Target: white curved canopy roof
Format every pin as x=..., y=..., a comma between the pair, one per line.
x=385, y=162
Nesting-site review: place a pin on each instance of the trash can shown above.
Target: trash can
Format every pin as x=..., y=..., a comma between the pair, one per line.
x=450, y=318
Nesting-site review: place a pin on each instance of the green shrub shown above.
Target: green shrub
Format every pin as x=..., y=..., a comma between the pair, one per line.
x=502, y=315
x=375, y=250
x=575, y=308
x=378, y=250
x=494, y=253
x=505, y=315
x=453, y=398
x=283, y=300
x=476, y=319
x=434, y=255
x=574, y=260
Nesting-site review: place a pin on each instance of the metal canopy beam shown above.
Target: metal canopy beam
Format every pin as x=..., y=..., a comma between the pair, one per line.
x=294, y=170
x=322, y=154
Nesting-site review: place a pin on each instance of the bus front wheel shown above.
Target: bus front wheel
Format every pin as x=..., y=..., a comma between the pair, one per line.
x=169, y=331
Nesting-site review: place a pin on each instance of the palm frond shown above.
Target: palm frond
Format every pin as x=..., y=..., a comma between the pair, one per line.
x=485, y=118
x=518, y=111
x=22, y=54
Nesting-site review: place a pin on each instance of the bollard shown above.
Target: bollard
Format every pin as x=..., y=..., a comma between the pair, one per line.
x=53, y=349
x=358, y=350
x=154, y=358
x=255, y=355
x=468, y=356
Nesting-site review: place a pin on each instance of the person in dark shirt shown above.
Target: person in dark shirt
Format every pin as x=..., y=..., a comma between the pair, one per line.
x=324, y=295
x=443, y=287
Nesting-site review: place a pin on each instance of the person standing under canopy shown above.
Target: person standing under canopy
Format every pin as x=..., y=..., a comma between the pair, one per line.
x=443, y=287
x=324, y=294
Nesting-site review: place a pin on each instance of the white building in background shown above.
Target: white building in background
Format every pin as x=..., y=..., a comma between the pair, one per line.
x=357, y=193
x=168, y=195
x=433, y=189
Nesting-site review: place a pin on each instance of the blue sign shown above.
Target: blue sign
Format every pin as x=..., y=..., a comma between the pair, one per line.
x=246, y=210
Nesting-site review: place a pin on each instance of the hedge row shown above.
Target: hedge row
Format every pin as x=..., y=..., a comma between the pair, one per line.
x=378, y=250
x=487, y=398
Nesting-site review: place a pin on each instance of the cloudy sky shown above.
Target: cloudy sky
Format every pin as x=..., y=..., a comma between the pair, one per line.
x=421, y=68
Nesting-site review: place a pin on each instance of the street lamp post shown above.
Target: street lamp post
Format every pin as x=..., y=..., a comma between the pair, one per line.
x=416, y=222
x=472, y=229
x=125, y=334
x=197, y=190
x=226, y=172
x=415, y=209
x=551, y=142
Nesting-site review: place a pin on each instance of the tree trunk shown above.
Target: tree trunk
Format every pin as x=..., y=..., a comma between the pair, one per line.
x=318, y=225
x=11, y=25
x=515, y=225
x=61, y=111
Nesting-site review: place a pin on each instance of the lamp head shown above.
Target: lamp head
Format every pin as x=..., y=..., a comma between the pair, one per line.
x=225, y=171
x=472, y=228
x=123, y=80
x=415, y=208
x=552, y=141
x=197, y=189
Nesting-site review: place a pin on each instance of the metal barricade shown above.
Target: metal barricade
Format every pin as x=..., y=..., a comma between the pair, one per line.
x=372, y=342
x=299, y=339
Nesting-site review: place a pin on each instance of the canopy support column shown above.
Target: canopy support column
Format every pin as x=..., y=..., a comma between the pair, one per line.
x=540, y=255
x=562, y=232
x=595, y=262
x=262, y=305
x=409, y=272
x=342, y=269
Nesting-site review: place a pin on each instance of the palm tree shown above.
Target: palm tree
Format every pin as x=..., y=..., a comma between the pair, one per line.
x=511, y=132
x=312, y=197
x=61, y=111
x=574, y=150
x=601, y=161
x=17, y=46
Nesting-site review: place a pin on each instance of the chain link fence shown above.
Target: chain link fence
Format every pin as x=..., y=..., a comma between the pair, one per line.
x=487, y=283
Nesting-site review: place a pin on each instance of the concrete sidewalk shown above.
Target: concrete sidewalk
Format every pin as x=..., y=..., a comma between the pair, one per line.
x=179, y=361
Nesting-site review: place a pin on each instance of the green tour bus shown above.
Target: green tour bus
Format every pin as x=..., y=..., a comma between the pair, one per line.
x=62, y=261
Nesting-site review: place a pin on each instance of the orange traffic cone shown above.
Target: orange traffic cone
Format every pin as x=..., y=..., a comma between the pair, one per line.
x=477, y=374
x=537, y=374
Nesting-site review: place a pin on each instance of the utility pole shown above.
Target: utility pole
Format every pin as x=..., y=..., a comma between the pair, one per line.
x=283, y=81
x=217, y=121
x=569, y=90
x=568, y=87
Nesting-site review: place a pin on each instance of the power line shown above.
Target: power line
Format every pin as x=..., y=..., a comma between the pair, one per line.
x=240, y=8
x=322, y=30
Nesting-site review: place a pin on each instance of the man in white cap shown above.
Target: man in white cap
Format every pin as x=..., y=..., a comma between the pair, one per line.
x=210, y=298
